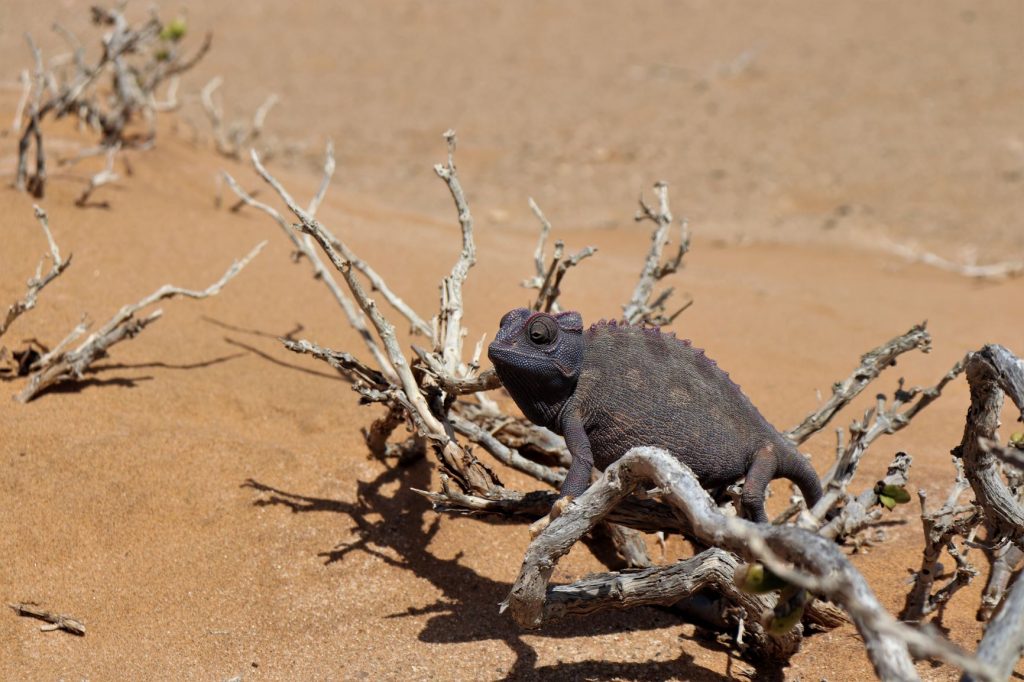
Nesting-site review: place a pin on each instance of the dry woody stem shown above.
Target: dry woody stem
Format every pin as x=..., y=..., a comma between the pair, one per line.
x=37, y=283
x=137, y=59
x=61, y=365
x=57, y=621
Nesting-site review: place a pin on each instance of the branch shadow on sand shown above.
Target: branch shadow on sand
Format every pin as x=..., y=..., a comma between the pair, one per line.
x=404, y=525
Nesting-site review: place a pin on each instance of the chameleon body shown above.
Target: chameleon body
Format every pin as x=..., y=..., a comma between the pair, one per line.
x=616, y=386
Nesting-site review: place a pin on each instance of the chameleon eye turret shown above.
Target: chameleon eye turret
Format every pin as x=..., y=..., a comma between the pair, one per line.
x=543, y=330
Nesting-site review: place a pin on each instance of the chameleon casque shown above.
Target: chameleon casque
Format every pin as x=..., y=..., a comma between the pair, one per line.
x=617, y=386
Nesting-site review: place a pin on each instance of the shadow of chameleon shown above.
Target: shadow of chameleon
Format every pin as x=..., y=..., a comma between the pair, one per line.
x=400, y=533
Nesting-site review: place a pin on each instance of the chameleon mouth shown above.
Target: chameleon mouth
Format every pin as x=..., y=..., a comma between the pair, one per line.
x=504, y=353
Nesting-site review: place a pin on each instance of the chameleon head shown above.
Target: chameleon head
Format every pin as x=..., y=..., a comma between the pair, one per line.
x=538, y=357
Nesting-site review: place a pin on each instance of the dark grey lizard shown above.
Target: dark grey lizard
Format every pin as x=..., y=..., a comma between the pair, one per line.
x=617, y=386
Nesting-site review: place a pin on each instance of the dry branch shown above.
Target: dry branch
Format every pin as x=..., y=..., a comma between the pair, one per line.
x=879, y=420
x=941, y=527
x=232, y=139
x=1003, y=643
x=470, y=474
x=138, y=59
x=548, y=279
x=1004, y=561
x=103, y=177
x=863, y=510
x=39, y=281
x=57, y=621
x=991, y=372
x=58, y=367
x=819, y=566
x=872, y=364
x=1010, y=454
x=641, y=309
x=304, y=247
x=1003, y=270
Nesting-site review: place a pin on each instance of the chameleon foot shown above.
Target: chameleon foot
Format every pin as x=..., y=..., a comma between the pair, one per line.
x=538, y=526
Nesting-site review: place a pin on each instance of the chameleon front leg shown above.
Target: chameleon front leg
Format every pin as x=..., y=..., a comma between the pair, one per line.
x=577, y=479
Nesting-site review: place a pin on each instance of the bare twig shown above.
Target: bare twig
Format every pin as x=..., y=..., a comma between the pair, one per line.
x=548, y=281
x=448, y=339
x=858, y=512
x=640, y=308
x=1003, y=643
x=39, y=281
x=304, y=247
x=19, y=111
x=233, y=139
x=1010, y=454
x=101, y=178
x=872, y=364
x=71, y=365
x=877, y=421
x=343, y=362
x=941, y=527
x=57, y=621
x=911, y=254
x=1004, y=561
x=470, y=474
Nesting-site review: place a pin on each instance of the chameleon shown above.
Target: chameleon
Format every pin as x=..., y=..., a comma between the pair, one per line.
x=616, y=386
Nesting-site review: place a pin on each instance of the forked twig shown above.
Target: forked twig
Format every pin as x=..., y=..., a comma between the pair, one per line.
x=55, y=368
x=37, y=283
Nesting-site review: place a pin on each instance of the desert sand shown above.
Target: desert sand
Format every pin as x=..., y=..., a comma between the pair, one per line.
x=203, y=501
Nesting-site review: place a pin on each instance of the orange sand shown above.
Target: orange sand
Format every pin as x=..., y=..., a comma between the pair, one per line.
x=164, y=500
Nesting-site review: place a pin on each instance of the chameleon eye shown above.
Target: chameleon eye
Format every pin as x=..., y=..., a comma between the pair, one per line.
x=543, y=331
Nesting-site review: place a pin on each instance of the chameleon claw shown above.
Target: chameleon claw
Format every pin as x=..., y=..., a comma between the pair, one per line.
x=559, y=506
x=538, y=526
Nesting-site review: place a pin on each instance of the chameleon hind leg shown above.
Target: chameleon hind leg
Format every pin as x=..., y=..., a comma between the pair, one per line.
x=763, y=467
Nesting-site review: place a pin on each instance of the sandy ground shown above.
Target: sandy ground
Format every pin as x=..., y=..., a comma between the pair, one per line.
x=204, y=502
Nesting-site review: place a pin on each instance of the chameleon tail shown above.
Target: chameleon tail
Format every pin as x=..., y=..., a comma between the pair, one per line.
x=797, y=468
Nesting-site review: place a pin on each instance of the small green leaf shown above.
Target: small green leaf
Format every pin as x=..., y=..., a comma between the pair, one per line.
x=780, y=625
x=887, y=501
x=897, y=493
x=756, y=579
x=174, y=31
x=788, y=611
